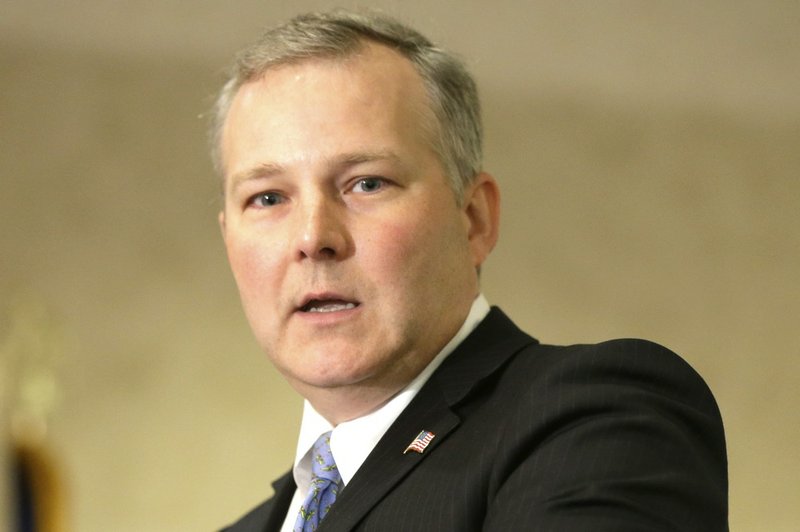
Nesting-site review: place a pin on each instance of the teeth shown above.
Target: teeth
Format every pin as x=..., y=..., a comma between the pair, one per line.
x=332, y=307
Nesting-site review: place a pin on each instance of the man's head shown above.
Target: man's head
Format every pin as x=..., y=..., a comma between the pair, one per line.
x=455, y=127
x=355, y=261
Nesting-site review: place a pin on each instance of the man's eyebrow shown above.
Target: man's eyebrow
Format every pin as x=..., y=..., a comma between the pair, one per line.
x=352, y=159
x=259, y=171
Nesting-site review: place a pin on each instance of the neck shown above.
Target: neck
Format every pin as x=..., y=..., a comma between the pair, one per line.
x=340, y=405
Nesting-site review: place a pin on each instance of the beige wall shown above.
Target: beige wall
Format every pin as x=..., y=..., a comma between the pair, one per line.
x=649, y=160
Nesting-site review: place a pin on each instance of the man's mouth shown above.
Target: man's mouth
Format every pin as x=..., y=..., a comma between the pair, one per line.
x=327, y=305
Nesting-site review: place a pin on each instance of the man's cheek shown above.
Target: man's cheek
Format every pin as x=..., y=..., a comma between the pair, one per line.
x=253, y=270
x=395, y=248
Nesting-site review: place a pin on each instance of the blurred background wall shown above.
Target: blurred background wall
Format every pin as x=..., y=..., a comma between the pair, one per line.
x=649, y=155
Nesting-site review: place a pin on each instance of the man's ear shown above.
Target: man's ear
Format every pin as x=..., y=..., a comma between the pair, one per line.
x=482, y=212
x=221, y=219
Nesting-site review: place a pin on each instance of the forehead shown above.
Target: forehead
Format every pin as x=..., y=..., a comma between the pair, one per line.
x=372, y=90
x=371, y=100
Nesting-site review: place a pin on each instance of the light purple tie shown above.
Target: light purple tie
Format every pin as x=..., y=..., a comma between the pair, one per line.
x=325, y=485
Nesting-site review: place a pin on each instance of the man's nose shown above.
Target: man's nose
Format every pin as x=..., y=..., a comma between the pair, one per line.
x=323, y=233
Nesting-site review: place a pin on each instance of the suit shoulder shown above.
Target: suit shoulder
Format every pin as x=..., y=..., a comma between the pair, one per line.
x=620, y=349
x=619, y=355
x=254, y=520
x=622, y=420
x=629, y=363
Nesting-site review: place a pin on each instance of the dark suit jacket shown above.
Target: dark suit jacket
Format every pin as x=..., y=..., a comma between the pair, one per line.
x=617, y=436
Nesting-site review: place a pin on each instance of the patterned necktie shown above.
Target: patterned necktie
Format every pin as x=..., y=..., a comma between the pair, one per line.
x=325, y=484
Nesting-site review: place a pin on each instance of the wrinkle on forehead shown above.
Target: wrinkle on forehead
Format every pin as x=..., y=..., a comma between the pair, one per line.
x=376, y=61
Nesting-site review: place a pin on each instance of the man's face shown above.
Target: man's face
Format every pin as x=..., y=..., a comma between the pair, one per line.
x=354, y=261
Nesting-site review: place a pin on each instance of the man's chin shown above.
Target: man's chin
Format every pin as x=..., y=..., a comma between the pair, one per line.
x=338, y=381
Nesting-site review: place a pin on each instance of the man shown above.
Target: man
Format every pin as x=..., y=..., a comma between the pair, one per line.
x=356, y=219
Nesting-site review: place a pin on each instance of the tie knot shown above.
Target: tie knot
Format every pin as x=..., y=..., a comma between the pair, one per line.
x=322, y=463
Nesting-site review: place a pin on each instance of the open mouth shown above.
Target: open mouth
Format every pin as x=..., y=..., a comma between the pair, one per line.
x=327, y=305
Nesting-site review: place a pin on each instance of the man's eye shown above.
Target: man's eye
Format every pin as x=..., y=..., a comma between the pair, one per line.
x=266, y=199
x=368, y=184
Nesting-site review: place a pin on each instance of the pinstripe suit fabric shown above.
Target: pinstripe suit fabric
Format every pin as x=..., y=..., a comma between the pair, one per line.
x=619, y=436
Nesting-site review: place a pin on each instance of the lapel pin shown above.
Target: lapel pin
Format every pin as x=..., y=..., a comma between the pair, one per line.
x=420, y=442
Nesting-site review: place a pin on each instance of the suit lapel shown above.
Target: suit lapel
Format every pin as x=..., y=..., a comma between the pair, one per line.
x=493, y=342
x=482, y=353
x=268, y=516
x=284, y=491
x=386, y=465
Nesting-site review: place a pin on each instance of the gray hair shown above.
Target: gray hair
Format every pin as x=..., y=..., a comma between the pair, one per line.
x=451, y=90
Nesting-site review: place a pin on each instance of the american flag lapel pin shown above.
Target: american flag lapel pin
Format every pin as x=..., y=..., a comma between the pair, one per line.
x=420, y=442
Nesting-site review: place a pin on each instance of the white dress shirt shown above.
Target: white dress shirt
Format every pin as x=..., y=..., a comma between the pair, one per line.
x=352, y=441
